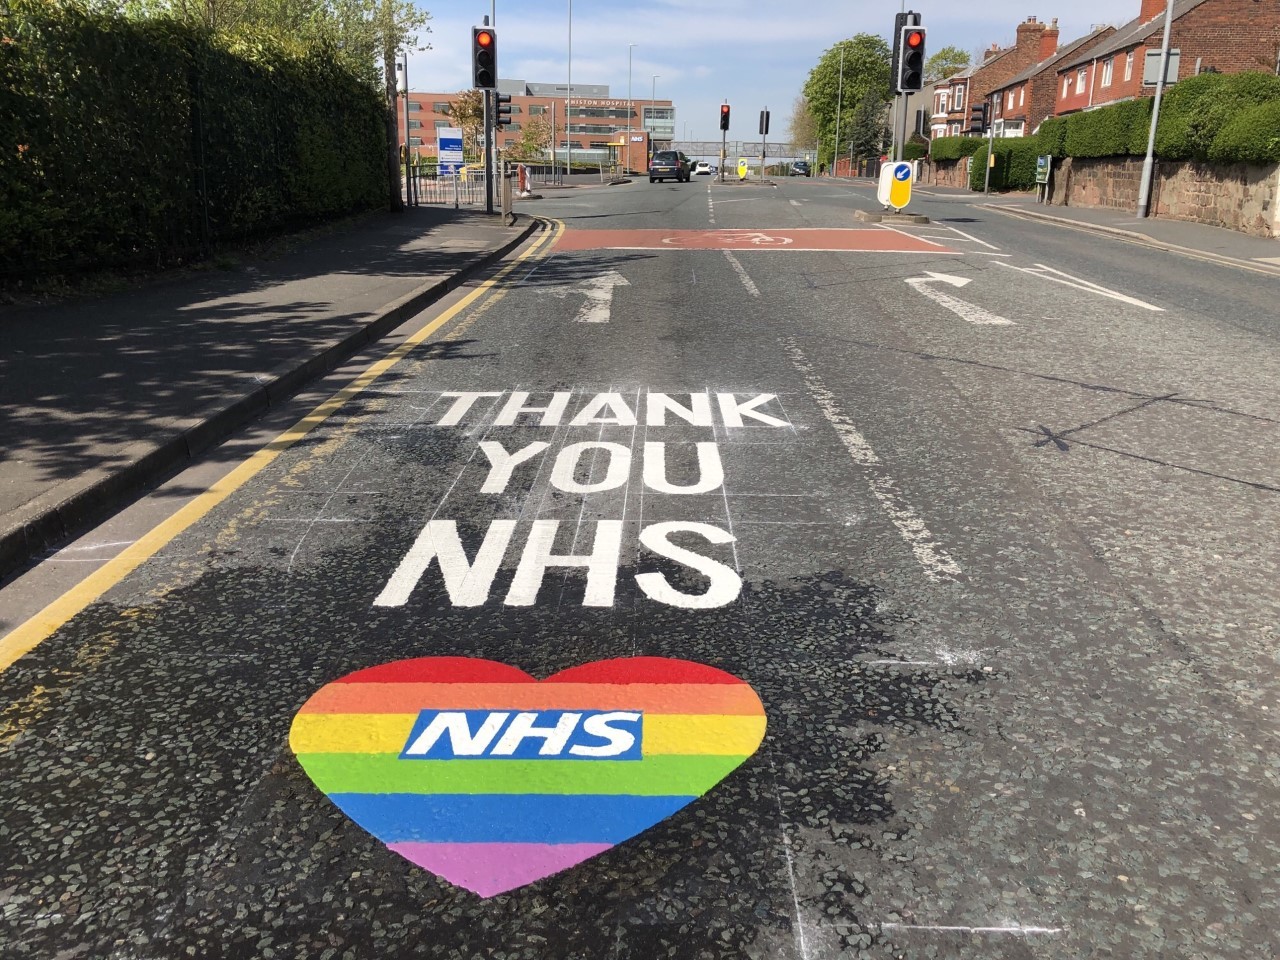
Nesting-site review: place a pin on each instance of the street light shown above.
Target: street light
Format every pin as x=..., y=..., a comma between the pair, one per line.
x=630, y=47
x=653, y=109
x=568, y=99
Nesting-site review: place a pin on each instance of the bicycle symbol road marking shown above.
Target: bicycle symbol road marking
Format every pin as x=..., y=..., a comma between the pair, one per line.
x=748, y=238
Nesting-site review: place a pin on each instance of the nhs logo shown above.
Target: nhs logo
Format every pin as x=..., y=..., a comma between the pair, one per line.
x=525, y=735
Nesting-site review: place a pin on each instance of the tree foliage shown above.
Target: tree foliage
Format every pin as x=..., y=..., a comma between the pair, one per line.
x=831, y=89
x=535, y=139
x=869, y=128
x=947, y=62
x=467, y=113
x=803, y=126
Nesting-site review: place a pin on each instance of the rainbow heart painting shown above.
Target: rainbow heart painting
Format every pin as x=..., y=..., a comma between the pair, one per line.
x=491, y=779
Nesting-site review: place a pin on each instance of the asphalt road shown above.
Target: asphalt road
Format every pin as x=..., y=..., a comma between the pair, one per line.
x=984, y=511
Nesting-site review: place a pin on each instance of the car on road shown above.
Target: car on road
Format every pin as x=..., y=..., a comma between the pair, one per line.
x=801, y=169
x=702, y=168
x=670, y=165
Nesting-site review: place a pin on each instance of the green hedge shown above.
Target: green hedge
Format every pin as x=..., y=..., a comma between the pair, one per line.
x=1253, y=136
x=1194, y=118
x=1114, y=131
x=1015, y=167
x=1195, y=110
x=143, y=142
x=955, y=148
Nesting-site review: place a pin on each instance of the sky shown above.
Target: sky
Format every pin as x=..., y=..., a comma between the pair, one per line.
x=753, y=53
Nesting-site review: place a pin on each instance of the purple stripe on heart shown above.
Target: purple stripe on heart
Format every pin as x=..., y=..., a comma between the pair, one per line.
x=489, y=868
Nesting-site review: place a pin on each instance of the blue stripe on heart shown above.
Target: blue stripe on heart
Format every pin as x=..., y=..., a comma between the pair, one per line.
x=506, y=818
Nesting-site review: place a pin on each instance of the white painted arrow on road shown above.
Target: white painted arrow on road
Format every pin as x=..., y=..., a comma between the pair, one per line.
x=598, y=294
x=962, y=309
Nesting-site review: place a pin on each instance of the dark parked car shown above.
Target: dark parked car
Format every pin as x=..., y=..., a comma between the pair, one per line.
x=801, y=169
x=670, y=165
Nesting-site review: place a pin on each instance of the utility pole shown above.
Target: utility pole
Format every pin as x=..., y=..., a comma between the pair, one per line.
x=991, y=142
x=568, y=101
x=630, y=47
x=1148, y=164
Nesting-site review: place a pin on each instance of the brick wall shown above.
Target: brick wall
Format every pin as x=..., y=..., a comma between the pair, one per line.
x=946, y=173
x=1237, y=197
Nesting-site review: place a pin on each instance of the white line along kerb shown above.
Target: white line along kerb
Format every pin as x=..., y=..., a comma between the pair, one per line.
x=938, y=565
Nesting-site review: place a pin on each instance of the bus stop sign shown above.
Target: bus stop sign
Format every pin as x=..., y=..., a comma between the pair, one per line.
x=895, y=185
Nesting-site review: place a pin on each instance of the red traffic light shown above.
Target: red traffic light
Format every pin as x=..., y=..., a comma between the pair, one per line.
x=484, y=38
x=915, y=38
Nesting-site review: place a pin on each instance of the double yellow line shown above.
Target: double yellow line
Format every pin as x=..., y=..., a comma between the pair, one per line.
x=42, y=625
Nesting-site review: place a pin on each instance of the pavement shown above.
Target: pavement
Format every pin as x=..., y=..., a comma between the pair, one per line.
x=102, y=397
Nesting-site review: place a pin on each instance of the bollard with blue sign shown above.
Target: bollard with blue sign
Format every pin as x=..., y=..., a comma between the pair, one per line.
x=895, y=185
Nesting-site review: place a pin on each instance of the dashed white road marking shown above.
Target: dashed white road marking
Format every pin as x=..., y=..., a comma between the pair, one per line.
x=937, y=563
x=969, y=236
x=913, y=236
x=742, y=274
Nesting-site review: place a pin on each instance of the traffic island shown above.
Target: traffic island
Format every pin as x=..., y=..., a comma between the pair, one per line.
x=873, y=216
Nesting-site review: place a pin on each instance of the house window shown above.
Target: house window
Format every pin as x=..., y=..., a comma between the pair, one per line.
x=536, y=109
x=1108, y=66
x=942, y=103
x=442, y=123
x=415, y=141
x=1010, y=100
x=1066, y=87
x=959, y=101
x=415, y=124
x=1080, y=78
x=1022, y=95
x=440, y=107
x=1128, y=66
x=414, y=106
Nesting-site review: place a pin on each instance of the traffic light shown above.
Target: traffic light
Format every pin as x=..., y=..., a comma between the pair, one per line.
x=724, y=116
x=985, y=116
x=504, y=110
x=764, y=122
x=911, y=66
x=484, y=58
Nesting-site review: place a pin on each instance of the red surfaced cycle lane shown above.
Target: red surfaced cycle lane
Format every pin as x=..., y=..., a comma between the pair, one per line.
x=779, y=240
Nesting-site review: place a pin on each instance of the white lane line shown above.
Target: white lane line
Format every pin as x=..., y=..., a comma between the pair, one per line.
x=937, y=563
x=742, y=274
x=913, y=236
x=801, y=940
x=1067, y=280
x=1018, y=931
x=969, y=236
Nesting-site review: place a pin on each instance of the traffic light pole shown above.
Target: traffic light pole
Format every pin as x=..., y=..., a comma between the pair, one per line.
x=991, y=145
x=489, y=114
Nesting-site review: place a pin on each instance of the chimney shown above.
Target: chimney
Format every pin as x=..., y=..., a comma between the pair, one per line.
x=1029, y=33
x=990, y=52
x=1151, y=9
x=1049, y=41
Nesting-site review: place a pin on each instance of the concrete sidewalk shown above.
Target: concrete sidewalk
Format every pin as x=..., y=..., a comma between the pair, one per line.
x=102, y=397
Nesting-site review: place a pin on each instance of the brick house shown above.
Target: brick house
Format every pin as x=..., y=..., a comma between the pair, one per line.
x=958, y=101
x=1023, y=103
x=1225, y=36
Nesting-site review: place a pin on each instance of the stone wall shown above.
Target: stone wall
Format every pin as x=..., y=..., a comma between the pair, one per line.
x=947, y=173
x=1237, y=197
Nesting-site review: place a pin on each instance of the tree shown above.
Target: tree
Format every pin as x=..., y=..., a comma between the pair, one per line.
x=869, y=128
x=865, y=73
x=467, y=113
x=947, y=62
x=535, y=138
x=803, y=127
